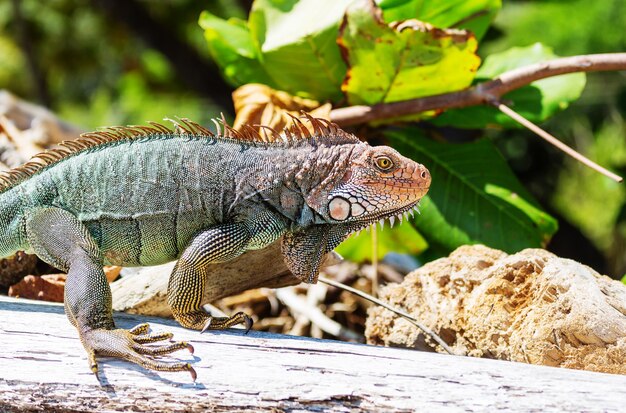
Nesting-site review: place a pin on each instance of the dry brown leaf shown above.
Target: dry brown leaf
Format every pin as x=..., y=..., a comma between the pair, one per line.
x=257, y=104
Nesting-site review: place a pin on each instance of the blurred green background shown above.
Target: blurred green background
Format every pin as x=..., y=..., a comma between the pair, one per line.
x=108, y=62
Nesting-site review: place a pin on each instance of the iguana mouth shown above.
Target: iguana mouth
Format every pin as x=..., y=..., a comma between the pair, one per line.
x=400, y=214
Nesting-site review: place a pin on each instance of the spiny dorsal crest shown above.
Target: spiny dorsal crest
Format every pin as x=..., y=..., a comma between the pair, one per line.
x=324, y=132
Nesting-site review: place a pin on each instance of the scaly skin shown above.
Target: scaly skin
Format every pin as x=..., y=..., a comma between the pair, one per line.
x=145, y=196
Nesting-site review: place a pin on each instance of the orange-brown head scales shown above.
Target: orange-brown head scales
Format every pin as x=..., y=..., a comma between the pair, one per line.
x=380, y=183
x=355, y=186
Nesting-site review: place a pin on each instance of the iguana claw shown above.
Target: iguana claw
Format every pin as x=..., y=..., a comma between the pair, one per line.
x=222, y=323
x=130, y=345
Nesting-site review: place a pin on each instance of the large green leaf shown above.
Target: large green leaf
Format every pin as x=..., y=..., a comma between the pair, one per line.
x=233, y=49
x=473, y=15
x=474, y=196
x=402, y=239
x=297, y=40
x=389, y=64
x=286, y=44
x=537, y=101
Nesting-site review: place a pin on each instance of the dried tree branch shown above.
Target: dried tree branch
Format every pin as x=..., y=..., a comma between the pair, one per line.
x=555, y=142
x=482, y=93
x=427, y=331
x=315, y=315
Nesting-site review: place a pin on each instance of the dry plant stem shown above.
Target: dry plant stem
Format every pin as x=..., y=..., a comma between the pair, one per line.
x=300, y=306
x=375, y=260
x=401, y=313
x=555, y=142
x=482, y=93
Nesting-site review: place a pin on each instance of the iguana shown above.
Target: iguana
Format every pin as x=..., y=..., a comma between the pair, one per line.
x=146, y=195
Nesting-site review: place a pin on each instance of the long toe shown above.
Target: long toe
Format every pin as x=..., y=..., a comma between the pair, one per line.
x=130, y=345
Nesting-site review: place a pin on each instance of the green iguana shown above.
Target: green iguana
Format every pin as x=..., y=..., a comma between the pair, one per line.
x=146, y=195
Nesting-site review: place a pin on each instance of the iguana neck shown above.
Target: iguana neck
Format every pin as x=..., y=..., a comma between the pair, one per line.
x=290, y=181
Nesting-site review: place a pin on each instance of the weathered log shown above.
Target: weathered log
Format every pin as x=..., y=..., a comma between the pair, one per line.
x=146, y=292
x=43, y=367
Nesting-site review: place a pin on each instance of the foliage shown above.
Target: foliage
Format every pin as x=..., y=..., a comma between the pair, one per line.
x=291, y=46
x=481, y=200
x=474, y=197
x=288, y=45
x=472, y=15
x=100, y=71
x=536, y=102
x=404, y=62
x=594, y=125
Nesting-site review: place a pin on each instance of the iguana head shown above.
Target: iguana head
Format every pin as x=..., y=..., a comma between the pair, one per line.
x=378, y=183
x=361, y=185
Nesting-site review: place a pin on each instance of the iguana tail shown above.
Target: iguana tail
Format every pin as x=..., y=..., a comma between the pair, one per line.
x=12, y=238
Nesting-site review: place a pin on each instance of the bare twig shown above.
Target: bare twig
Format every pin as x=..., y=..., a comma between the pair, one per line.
x=401, y=313
x=482, y=93
x=375, y=260
x=300, y=306
x=555, y=142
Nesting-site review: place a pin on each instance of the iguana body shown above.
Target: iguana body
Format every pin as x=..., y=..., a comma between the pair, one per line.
x=142, y=196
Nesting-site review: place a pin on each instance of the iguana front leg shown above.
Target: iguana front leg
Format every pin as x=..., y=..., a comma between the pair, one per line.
x=187, y=282
x=220, y=243
x=61, y=240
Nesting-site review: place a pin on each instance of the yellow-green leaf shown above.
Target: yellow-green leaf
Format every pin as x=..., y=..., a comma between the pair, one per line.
x=403, y=239
x=406, y=60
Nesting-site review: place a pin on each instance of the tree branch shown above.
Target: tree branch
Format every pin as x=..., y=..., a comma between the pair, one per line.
x=427, y=331
x=555, y=142
x=483, y=93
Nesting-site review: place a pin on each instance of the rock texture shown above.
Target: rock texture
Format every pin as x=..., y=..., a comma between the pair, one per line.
x=530, y=307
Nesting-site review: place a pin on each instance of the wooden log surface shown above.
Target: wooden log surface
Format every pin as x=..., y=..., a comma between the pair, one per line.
x=43, y=367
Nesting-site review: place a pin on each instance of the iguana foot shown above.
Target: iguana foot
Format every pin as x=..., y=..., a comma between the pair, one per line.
x=130, y=345
x=222, y=323
x=201, y=320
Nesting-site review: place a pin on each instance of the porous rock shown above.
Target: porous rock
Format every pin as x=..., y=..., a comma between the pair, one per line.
x=529, y=307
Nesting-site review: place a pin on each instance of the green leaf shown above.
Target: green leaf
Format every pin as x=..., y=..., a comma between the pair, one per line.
x=233, y=49
x=537, y=101
x=474, y=196
x=297, y=42
x=473, y=15
x=403, y=239
x=390, y=64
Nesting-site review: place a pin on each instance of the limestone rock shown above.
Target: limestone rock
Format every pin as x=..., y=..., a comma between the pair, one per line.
x=529, y=307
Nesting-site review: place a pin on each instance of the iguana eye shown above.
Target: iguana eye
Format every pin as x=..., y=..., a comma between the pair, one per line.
x=383, y=163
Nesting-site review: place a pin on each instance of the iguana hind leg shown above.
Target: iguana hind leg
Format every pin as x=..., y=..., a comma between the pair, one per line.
x=61, y=240
x=187, y=282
